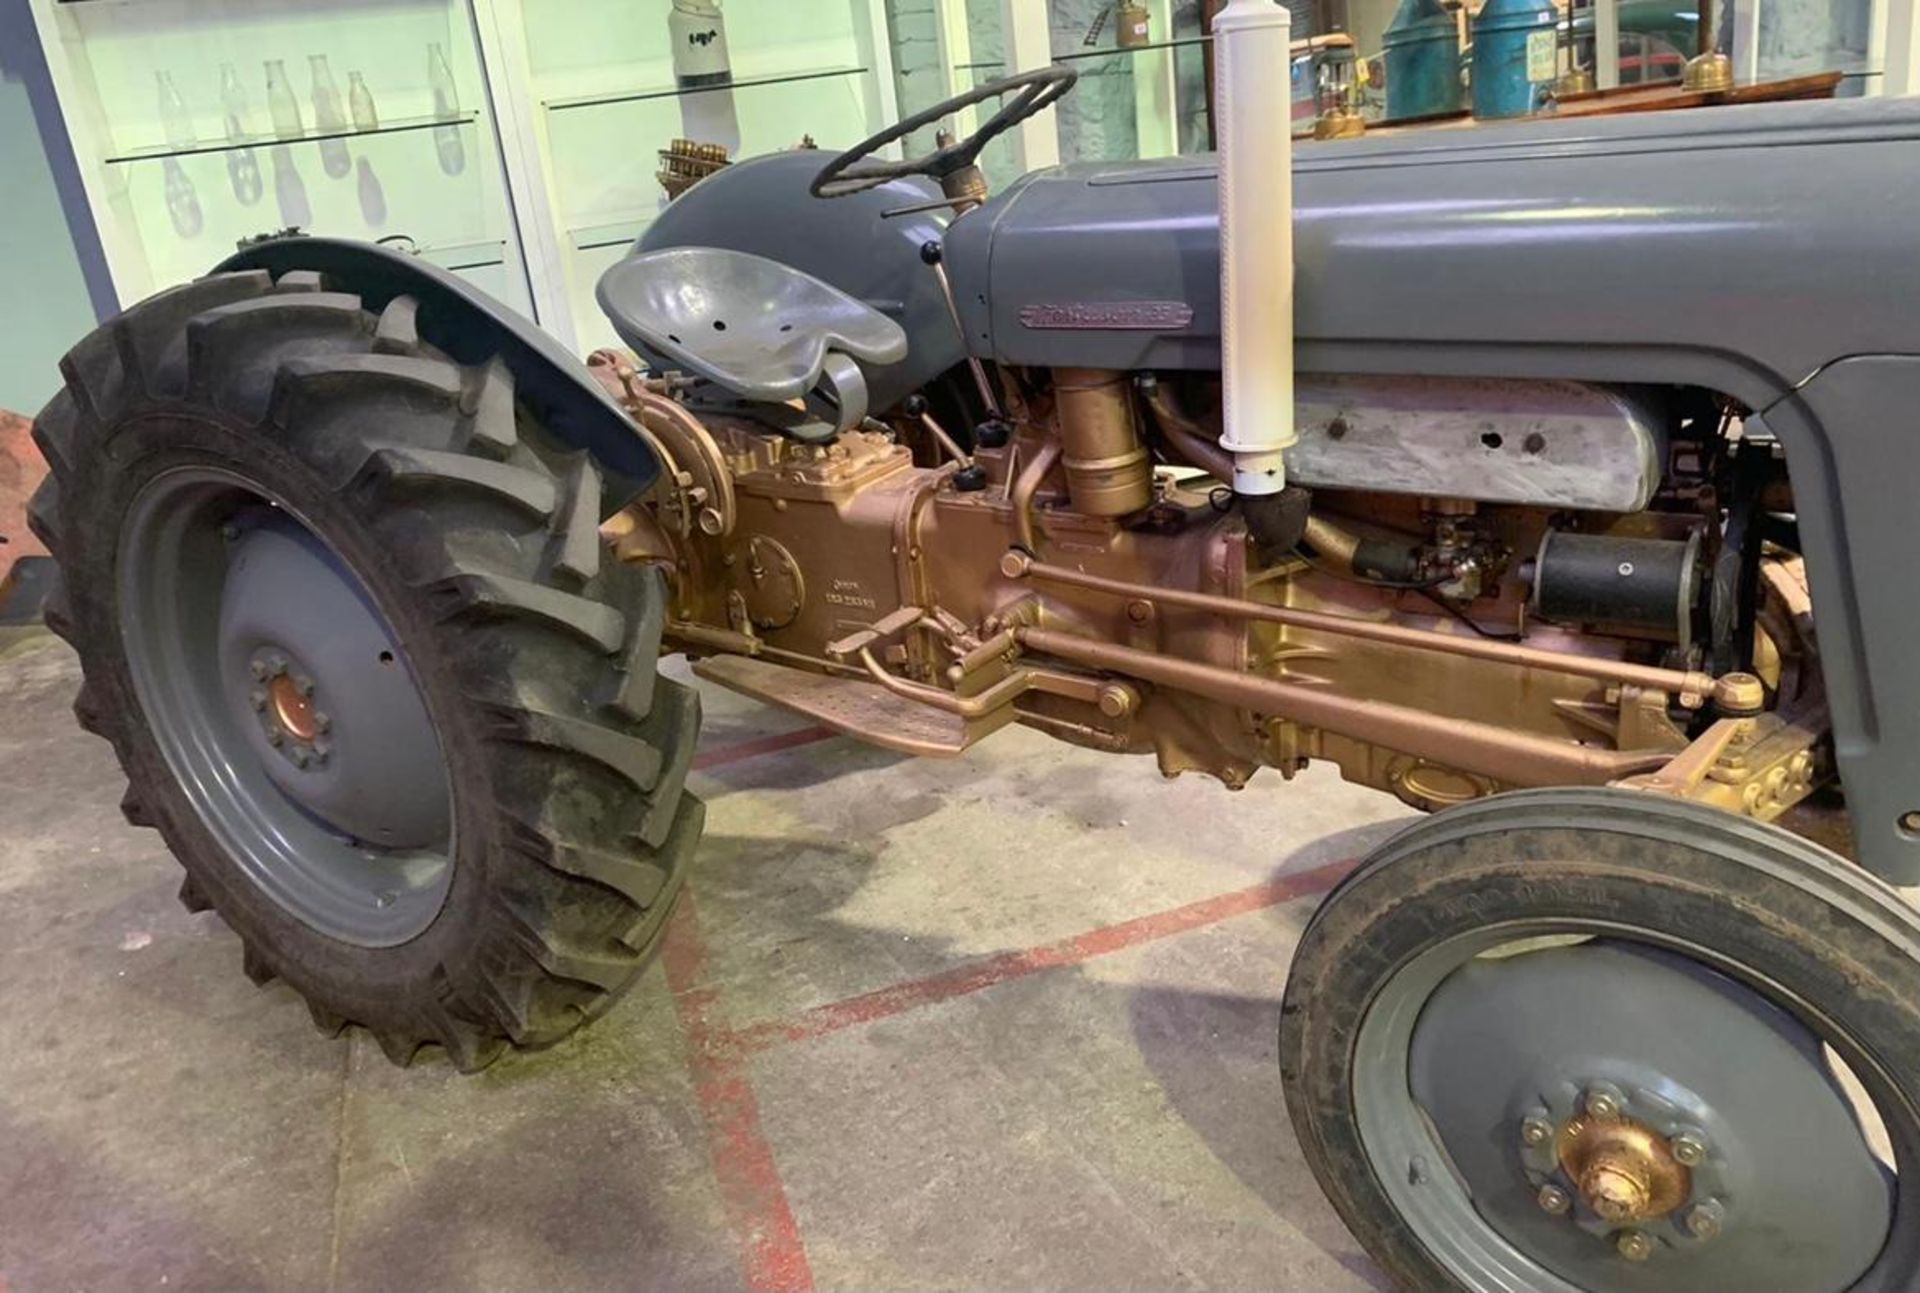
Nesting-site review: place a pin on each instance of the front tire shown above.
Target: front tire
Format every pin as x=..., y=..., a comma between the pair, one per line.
x=342, y=612
x=1517, y=1014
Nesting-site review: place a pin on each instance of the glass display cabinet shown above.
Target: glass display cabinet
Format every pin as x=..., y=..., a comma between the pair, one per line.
x=198, y=123
x=1142, y=90
x=623, y=102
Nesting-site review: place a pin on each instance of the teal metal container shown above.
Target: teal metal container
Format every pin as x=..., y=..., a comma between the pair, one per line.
x=1422, y=54
x=1513, y=57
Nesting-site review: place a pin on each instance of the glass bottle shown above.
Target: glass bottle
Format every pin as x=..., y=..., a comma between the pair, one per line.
x=446, y=99
x=329, y=117
x=243, y=168
x=360, y=101
x=281, y=105
x=175, y=120
x=233, y=106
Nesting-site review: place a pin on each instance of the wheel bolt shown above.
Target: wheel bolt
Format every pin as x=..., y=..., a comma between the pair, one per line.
x=1603, y=1104
x=1703, y=1220
x=304, y=686
x=274, y=738
x=1535, y=1132
x=1554, y=1200
x=259, y=670
x=1689, y=1150
x=1634, y=1245
x=257, y=698
x=300, y=757
x=322, y=722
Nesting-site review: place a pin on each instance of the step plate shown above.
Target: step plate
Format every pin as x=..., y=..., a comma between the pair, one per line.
x=863, y=710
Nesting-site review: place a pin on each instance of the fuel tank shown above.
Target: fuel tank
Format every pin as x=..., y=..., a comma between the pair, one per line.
x=1735, y=246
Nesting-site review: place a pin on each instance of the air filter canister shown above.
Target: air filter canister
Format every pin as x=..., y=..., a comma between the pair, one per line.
x=1626, y=582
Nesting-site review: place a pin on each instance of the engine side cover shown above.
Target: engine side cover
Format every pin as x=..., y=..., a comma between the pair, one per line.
x=1546, y=444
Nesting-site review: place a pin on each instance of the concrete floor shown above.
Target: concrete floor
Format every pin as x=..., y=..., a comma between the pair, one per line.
x=1005, y=1021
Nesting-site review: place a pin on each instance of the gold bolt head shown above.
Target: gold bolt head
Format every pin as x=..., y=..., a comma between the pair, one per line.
x=1689, y=1150
x=1535, y=1132
x=1554, y=1200
x=1634, y=1245
x=1602, y=1104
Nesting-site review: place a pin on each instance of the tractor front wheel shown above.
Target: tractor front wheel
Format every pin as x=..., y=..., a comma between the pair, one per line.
x=342, y=611
x=1596, y=1041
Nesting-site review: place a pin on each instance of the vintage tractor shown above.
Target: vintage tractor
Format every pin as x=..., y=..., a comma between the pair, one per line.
x=1593, y=426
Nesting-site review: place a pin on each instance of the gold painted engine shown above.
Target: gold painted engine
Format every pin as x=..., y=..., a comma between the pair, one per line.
x=1088, y=576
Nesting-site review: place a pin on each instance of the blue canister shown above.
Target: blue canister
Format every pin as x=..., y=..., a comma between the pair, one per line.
x=1514, y=53
x=1422, y=53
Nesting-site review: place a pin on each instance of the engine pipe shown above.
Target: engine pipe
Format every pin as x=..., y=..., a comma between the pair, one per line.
x=1253, y=109
x=1517, y=758
x=1688, y=685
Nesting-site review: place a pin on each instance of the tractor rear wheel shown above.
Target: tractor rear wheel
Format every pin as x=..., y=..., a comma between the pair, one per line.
x=342, y=612
x=1596, y=1041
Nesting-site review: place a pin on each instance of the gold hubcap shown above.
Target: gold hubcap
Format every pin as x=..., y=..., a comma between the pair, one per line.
x=1624, y=1169
x=293, y=711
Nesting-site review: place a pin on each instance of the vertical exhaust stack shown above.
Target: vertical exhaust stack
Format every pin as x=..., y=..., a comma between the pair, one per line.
x=1253, y=118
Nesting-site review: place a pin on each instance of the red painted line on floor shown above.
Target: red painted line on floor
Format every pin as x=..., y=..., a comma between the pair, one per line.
x=762, y=745
x=773, y=1256
x=966, y=979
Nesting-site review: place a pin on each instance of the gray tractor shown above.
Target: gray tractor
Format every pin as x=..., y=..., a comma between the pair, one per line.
x=1593, y=540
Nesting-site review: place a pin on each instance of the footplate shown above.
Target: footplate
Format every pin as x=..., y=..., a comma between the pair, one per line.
x=862, y=710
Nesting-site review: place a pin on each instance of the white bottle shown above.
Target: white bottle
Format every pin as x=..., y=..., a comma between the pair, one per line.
x=329, y=117
x=446, y=99
x=175, y=120
x=281, y=105
x=698, y=34
x=360, y=101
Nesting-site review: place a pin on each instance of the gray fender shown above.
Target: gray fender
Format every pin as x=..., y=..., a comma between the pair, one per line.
x=472, y=327
x=1850, y=433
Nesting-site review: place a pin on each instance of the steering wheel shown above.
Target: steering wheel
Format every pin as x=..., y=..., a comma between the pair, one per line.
x=856, y=170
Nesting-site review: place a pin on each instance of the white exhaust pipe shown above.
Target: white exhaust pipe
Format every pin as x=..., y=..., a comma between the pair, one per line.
x=1253, y=122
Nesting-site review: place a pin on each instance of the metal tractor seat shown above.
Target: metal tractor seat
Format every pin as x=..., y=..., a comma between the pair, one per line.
x=761, y=331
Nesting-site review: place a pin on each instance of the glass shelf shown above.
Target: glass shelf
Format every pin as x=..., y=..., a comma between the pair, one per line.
x=613, y=233
x=162, y=151
x=673, y=92
x=458, y=257
x=1109, y=51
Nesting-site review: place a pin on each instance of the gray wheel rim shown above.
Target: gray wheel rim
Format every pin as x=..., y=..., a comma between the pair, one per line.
x=1411, y=1160
x=193, y=632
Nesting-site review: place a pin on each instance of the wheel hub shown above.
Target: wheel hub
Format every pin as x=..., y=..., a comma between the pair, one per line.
x=293, y=708
x=1580, y=1093
x=1625, y=1170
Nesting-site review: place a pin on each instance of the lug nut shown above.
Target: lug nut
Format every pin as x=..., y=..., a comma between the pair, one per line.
x=257, y=698
x=322, y=721
x=300, y=757
x=304, y=686
x=1603, y=1104
x=259, y=670
x=1634, y=1245
x=274, y=738
x=1554, y=1200
x=1535, y=1132
x=1703, y=1220
x=1689, y=1150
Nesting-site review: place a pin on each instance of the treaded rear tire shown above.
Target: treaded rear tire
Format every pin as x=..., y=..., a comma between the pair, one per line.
x=478, y=538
